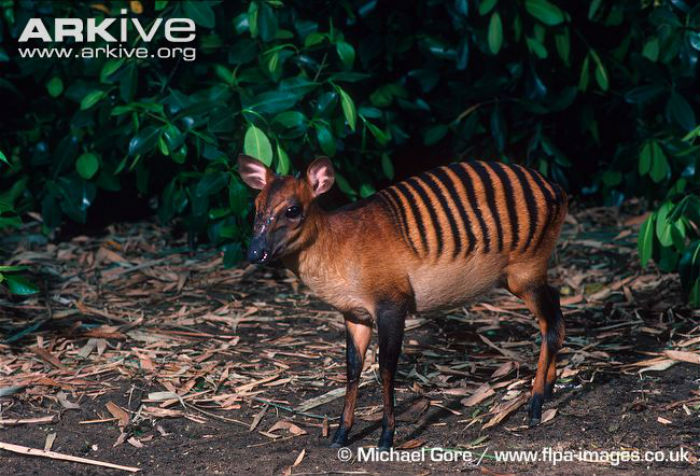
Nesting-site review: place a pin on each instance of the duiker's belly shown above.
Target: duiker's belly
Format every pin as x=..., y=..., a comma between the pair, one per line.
x=451, y=283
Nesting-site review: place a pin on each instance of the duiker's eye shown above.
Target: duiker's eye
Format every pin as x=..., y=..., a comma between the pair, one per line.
x=293, y=212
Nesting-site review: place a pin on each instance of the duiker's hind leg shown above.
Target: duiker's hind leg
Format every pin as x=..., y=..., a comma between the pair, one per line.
x=543, y=302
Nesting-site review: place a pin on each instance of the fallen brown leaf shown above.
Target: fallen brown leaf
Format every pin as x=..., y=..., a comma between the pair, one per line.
x=119, y=413
x=481, y=394
x=289, y=426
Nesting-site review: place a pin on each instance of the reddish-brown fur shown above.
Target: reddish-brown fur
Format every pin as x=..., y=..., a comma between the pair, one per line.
x=433, y=241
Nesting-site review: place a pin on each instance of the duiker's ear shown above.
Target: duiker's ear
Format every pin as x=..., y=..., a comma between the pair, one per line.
x=253, y=172
x=320, y=175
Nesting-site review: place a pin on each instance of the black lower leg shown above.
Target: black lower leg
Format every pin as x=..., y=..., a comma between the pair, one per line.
x=545, y=305
x=555, y=340
x=354, y=361
x=390, y=324
x=534, y=411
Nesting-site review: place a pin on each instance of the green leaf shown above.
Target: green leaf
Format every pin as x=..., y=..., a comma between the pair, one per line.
x=645, y=156
x=256, y=144
x=645, y=93
x=283, y=164
x=486, y=6
x=210, y=184
x=267, y=22
x=387, y=167
x=290, y=119
x=346, y=53
x=200, y=12
x=348, y=106
x=238, y=196
x=9, y=269
x=173, y=137
x=659, y=166
x=344, y=185
x=593, y=8
x=144, y=141
x=601, y=76
x=680, y=111
x=109, y=68
x=367, y=190
x=679, y=235
x=651, y=49
x=273, y=102
x=544, y=11
x=536, y=47
x=54, y=86
x=563, y=43
x=87, y=165
x=225, y=74
x=495, y=34
x=273, y=62
x=314, y=39
x=325, y=139
x=381, y=136
x=4, y=158
x=218, y=213
x=91, y=99
x=663, y=226
x=652, y=160
x=434, y=134
x=253, y=19
x=179, y=155
x=645, y=239
x=20, y=286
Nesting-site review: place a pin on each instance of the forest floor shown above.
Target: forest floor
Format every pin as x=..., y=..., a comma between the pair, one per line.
x=139, y=353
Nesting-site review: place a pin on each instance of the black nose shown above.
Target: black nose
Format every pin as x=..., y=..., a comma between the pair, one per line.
x=258, y=252
x=257, y=255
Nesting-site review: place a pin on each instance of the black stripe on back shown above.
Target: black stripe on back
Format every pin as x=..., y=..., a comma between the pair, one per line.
x=473, y=203
x=490, y=199
x=429, y=179
x=530, y=202
x=510, y=202
x=552, y=206
x=396, y=204
x=403, y=189
x=389, y=206
x=416, y=185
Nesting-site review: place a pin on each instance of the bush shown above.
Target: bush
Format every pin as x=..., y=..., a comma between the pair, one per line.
x=602, y=97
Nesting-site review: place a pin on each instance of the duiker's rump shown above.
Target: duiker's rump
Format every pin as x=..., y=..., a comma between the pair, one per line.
x=432, y=241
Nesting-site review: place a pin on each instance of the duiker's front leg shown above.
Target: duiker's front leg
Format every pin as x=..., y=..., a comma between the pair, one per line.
x=357, y=337
x=390, y=326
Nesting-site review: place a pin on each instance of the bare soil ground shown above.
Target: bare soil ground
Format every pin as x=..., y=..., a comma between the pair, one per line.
x=138, y=353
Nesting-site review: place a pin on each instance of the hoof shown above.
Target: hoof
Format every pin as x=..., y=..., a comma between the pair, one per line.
x=340, y=439
x=384, y=448
x=534, y=422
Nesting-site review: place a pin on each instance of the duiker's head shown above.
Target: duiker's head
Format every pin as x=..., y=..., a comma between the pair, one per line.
x=282, y=206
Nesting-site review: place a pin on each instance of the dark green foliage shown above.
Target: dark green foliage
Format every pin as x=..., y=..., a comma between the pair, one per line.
x=602, y=96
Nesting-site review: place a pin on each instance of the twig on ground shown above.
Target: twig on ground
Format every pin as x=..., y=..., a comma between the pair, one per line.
x=24, y=450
